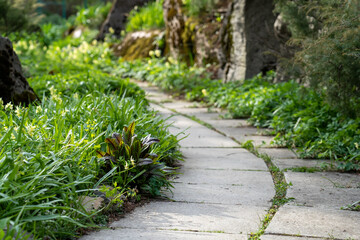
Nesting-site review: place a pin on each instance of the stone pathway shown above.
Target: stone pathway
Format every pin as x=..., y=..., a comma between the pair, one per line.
x=224, y=191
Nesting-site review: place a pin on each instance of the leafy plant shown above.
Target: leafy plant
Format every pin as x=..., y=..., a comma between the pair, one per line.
x=147, y=17
x=18, y=15
x=135, y=161
x=327, y=35
x=196, y=7
x=93, y=16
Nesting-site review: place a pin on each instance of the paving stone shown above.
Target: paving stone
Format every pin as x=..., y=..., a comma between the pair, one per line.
x=161, y=110
x=217, y=121
x=223, y=194
x=314, y=222
x=278, y=153
x=326, y=190
x=279, y=237
x=194, y=217
x=222, y=158
x=258, y=141
x=131, y=234
x=198, y=135
x=325, y=179
x=176, y=105
x=295, y=163
x=252, y=179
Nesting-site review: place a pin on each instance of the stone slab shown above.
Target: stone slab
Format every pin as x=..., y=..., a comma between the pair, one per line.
x=295, y=163
x=223, y=194
x=224, y=123
x=328, y=190
x=279, y=237
x=325, y=179
x=278, y=153
x=198, y=135
x=161, y=110
x=131, y=234
x=258, y=140
x=194, y=217
x=314, y=222
x=178, y=104
x=252, y=179
x=222, y=158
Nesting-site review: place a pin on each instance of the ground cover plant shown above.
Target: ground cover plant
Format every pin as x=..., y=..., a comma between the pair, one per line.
x=147, y=17
x=299, y=116
x=48, y=159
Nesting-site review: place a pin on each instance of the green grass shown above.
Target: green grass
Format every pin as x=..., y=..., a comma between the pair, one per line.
x=47, y=154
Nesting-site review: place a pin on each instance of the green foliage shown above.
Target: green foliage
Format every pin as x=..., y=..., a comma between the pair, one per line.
x=47, y=154
x=327, y=33
x=136, y=165
x=148, y=17
x=197, y=7
x=17, y=15
x=92, y=16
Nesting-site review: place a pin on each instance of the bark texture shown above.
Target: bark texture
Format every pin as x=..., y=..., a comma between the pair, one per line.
x=13, y=85
x=118, y=16
x=249, y=42
x=175, y=24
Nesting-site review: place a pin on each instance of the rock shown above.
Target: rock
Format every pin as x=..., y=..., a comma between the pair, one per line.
x=13, y=85
x=137, y=45
x=91, y=203
x=249, y=37
x=175, y=23
x=194, y=39
x=117, y=16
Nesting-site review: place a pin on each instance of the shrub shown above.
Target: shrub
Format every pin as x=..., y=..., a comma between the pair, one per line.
x=147, y=17
x=18, y=15
x=92, y=16
x=328, y=35
x=197, y=7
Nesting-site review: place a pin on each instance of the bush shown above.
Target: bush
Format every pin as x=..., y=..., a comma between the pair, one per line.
x=197, y=7
x=147, y=17
x=17, y=15
x=92, y=16
x=328, y=35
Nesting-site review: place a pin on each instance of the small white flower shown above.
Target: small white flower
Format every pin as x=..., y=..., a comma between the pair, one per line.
x=157, y=53
x=9, y=106
x=132, y=161
x=31, y=129
x=126, y=166
x=38, y=109
x=18, y=111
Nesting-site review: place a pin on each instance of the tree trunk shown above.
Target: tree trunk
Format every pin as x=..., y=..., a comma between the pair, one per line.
x=13, y=85
x=117, y=16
